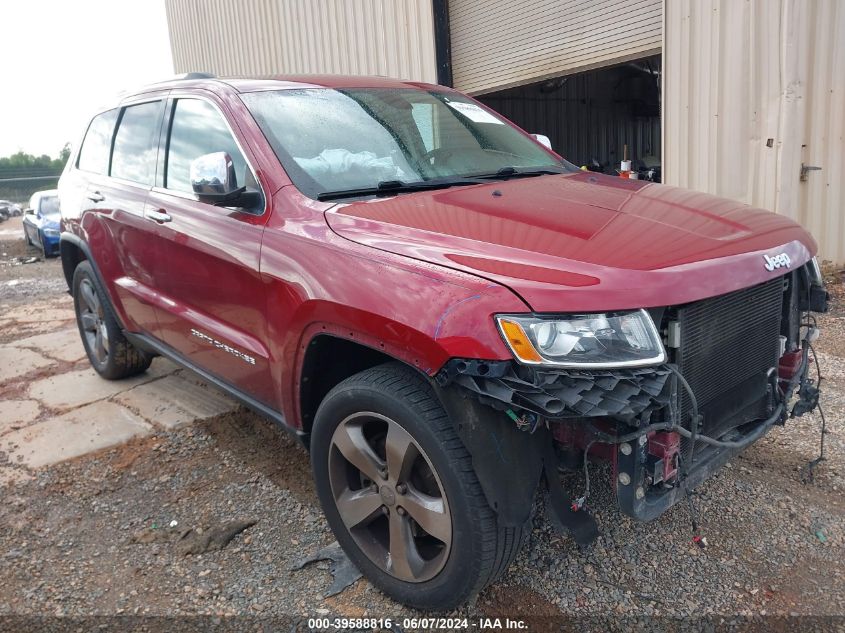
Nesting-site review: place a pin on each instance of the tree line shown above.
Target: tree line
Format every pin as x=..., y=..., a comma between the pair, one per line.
x=22, y=160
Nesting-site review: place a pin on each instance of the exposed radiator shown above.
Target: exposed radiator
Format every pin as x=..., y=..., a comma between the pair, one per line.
x=727, y=346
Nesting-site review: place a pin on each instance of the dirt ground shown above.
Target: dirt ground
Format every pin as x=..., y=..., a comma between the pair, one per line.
x=98, y=535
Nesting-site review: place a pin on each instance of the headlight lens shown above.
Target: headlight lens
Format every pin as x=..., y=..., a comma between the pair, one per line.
x=51, y=232
x=612, y=339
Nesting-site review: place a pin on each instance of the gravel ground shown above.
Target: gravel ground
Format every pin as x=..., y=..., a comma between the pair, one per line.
x=21, y=282
x=67, y=537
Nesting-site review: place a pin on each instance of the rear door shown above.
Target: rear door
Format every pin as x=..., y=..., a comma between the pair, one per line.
x=120, y=164
x=213, y=304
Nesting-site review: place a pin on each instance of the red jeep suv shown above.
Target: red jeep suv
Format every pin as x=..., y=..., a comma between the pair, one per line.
x=441, y=308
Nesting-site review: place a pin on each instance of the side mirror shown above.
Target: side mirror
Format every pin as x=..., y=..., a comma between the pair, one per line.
x=213, y=176
x=543, y=140
x=214, y=181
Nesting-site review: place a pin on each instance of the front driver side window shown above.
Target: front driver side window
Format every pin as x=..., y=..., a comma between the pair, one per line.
x=198, y=128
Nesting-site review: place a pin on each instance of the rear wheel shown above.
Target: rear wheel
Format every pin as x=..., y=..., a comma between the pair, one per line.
x=400, y=493
x=110, y=354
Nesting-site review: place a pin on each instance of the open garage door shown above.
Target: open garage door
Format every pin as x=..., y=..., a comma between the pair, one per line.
x=499, y=44
x=590, y=117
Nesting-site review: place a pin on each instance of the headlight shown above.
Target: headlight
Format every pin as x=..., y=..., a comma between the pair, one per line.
x=51, y=232
x=612, y=339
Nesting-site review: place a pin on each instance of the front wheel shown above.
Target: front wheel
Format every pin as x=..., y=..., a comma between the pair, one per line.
x=400, y=493
x=110, y=353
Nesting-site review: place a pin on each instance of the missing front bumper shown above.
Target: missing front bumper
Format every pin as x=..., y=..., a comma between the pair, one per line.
x=628, y=403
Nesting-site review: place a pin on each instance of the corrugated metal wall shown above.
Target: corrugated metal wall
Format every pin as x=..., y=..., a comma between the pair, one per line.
x=498, y=44
x=359, y=37
x=752, y=90
x=593, y=115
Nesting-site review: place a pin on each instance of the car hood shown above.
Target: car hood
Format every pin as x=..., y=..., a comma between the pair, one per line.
x=583, y=241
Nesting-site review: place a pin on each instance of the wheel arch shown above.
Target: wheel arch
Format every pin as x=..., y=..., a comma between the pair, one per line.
x=73, y=251
x=328, y=360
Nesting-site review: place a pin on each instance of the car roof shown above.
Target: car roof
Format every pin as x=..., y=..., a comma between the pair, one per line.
x=251, y=84
x=281, y=82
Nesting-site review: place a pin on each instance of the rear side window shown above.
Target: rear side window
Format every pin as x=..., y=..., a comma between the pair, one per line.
x=94, y=153
x=198, y=128
x=136, y=143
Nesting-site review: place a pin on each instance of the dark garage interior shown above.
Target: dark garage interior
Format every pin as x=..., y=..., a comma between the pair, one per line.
x=589, y=117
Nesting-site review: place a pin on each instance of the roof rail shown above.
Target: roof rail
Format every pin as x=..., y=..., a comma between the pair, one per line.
x=196, y=75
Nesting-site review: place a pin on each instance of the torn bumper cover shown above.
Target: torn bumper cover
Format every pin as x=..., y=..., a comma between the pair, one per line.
x=562, y=393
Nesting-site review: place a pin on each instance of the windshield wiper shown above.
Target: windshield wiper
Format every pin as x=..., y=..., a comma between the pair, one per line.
x=513, y=172
x=390, y=187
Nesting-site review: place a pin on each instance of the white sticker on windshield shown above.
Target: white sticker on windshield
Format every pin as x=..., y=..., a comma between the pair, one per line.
x=473, y=112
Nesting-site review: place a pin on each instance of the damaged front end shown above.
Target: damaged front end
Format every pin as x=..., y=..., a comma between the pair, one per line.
x=735, y=365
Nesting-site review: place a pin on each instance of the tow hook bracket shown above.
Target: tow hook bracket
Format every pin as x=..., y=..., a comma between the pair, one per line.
x=808, y=399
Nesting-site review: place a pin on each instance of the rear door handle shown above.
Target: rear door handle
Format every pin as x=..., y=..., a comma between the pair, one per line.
x=159, y=216
x=96, y=196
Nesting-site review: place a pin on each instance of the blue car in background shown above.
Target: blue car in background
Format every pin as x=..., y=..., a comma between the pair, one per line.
x=41, y=221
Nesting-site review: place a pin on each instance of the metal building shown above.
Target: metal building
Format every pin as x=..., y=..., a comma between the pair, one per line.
x=754, y=103
x=741, y=98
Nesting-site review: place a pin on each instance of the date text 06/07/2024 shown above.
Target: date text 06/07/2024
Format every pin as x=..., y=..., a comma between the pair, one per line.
x=413, y=624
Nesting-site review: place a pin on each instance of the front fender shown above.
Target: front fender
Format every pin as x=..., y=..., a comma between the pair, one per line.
x=321, y=283
x=452, y=322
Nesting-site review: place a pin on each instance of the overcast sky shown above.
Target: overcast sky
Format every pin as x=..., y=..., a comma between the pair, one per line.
x=62, y=59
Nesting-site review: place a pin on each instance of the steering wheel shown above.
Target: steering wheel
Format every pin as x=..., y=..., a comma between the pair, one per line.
x=436, y=155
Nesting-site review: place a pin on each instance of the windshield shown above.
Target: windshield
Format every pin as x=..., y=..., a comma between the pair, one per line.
x=50, y=206
x=362, y=138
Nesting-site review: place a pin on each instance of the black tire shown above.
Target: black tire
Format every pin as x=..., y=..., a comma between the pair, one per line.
x=478, y=552
x=97, y=323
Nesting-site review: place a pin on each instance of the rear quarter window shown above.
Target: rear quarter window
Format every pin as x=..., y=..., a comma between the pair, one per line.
x=94, y=153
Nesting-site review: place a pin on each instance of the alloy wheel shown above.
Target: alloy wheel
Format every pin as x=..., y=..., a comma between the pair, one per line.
x=93, y=321
x=389, y=497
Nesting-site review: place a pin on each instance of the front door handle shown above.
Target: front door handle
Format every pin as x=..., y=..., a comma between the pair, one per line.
x=159, y=216
x=96, y=196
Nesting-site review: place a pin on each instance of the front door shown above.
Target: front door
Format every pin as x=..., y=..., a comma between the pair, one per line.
x=212, y=309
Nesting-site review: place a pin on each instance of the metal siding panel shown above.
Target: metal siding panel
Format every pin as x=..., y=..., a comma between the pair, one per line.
x=273, y=17
x=823, y=201
x=304, y=9
x=297, y=61
x=264, y=37
x=739, y=73
x=499, y=44
x=381, y=22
